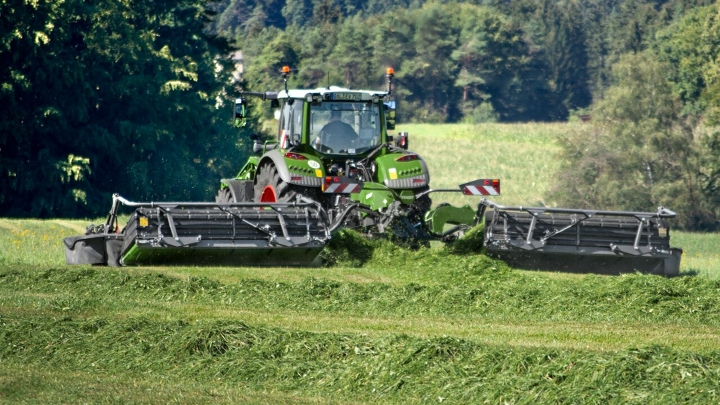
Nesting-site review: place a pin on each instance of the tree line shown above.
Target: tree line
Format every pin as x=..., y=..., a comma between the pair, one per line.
x=100, y=96
x=469, y=61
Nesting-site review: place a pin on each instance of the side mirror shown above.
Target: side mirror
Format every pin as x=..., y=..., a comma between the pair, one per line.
x=390, y=114
x=240, y=116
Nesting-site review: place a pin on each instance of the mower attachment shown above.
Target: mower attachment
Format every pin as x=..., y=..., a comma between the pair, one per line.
x=561, y=239
x=461, y=218
x=205, y=233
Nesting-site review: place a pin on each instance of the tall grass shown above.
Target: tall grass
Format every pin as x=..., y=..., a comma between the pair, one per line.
x=701, y=254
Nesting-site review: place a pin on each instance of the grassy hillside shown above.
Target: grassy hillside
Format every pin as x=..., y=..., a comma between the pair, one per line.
x=383, y=325
x=522, y=156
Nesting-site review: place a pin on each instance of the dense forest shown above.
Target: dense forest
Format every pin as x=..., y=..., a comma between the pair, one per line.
x=130, y=96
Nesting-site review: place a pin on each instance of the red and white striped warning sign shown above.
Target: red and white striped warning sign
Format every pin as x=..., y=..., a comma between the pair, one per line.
x=340, y=188
x=482, y=187
x=340, y=185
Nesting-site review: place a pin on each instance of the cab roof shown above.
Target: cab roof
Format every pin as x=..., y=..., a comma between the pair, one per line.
x=333, y=93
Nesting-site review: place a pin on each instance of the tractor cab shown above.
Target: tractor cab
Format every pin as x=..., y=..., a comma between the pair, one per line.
x=332, y=121
x=344, y=128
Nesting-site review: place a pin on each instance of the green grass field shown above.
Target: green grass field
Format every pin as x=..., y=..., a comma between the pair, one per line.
x=384, y=325
x=522, y=156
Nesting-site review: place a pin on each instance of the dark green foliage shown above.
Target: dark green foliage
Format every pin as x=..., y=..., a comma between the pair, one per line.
x=692, y=47
x=451, y=61
x=649, y=143
x=109, y=96
x=478, y=61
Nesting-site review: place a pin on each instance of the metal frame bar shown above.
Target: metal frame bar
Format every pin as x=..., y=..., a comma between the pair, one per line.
x=164, y=209
x=662, y=212
x=539, y=244
x=117, y=198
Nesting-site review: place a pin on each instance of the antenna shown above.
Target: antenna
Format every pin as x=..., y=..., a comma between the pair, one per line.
x=328, y=80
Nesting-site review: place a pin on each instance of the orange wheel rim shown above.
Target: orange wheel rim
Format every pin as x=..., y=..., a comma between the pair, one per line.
x=268, y=195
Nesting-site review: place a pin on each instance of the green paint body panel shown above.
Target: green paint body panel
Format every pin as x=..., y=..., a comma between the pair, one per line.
x=303, y=167
x=447, y=214
x=374, y=195
x=388, y=163
x=248, y=171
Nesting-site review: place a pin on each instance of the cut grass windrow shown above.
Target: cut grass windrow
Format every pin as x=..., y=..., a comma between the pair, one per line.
x=478, y=294
x=392, y=368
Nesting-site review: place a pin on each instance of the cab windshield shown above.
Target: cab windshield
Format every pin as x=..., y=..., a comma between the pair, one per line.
x=344, y=128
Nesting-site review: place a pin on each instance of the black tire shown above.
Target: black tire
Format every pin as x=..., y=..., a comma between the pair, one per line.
x=269, y=179
x=224, y=196
x=422, y=204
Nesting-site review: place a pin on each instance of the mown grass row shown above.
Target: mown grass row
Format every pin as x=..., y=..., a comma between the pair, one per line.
x=392, y=368
x=475, y=287
x=442, y=324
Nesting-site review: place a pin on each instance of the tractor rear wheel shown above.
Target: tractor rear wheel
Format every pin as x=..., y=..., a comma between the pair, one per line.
x=270, y=187
x=224, y=196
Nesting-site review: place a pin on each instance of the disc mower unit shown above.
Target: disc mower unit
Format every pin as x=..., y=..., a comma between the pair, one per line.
x=204, y=233
x=573, y=240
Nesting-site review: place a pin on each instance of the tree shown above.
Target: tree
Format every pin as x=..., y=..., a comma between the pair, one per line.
x=297, y=12
x=108, y=96
x=429, y=75
x=692, y=50
x=352, y=56
x=639, y=153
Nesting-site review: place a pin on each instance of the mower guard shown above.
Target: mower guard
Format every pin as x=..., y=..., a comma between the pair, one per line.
x=587, y=241
x=195, y=233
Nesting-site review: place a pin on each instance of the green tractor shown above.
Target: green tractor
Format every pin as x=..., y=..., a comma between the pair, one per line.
x=334, y=166
x=333, y=148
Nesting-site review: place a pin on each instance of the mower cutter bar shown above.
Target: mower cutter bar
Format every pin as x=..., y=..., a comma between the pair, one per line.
x=585, y=240
x=205, y=233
